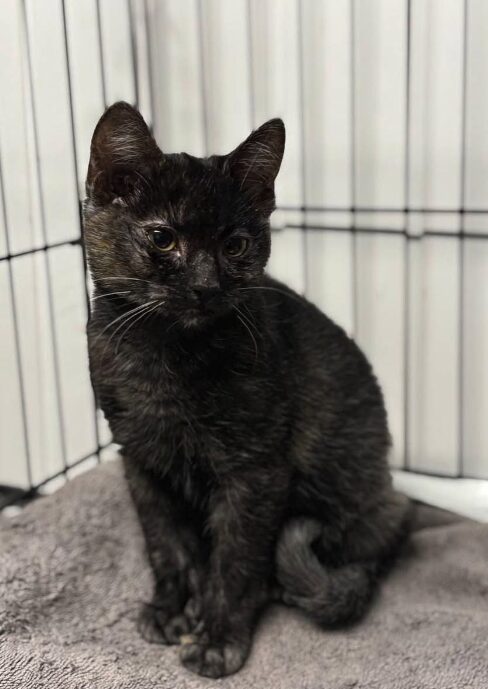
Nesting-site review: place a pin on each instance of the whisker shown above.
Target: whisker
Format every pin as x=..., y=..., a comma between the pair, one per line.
x=121, y=277
x=125, y=318
x=110, y=294
x=141, y=314
x=132, y=314
x=252, y=336
x=116, y=320
x=249, y=318
x=249, y=321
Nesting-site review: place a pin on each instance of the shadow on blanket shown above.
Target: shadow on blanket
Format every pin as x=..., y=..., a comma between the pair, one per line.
x=73, y=573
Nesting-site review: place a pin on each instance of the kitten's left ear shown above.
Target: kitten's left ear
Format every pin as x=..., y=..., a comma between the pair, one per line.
x=256, y=162
x=123, y=155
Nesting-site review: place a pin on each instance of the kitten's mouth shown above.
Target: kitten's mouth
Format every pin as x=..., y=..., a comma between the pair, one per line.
x=197, y=314
x=194, y=319
x=204, y=313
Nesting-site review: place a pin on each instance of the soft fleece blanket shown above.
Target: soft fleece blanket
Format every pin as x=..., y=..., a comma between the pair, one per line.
x=73, y=572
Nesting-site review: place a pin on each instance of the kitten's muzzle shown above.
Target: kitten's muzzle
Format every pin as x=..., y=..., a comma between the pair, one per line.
x=206, y=296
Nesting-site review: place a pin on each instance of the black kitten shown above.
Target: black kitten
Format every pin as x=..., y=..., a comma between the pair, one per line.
x=252, y=428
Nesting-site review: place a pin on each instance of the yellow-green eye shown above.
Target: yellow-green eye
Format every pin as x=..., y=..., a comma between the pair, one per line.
x=163, y=239
x=236, y=246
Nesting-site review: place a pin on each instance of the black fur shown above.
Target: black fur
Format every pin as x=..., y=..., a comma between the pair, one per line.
x=252, y=428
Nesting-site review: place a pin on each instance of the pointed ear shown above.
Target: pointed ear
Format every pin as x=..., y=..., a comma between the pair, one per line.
x=123, y=155
x=256, y=162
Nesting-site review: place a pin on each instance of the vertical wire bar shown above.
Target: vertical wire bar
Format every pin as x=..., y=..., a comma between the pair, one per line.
x=100, y=50
x=18, y=357
x=203, y=83
x=406, y=251
x=52, y=326
x=462, y=240
x=133, y=50
x=354, y=258
x=303, y=168
x=80, y=209
x=250, y=62
x=149, y=58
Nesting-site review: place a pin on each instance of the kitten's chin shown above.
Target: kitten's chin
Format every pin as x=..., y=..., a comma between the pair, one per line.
x=196, y=320
x=199, y=317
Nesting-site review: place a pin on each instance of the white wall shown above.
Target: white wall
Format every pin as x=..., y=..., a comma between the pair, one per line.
x=336, y=72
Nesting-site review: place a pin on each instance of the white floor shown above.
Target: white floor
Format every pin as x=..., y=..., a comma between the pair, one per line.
x=465, y=496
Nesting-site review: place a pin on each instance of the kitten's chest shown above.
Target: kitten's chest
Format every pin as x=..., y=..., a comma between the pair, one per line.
x=173, y=409
x=183, y=413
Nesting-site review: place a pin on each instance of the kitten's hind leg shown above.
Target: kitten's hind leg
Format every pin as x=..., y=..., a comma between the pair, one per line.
x=334, y=581
x=174, y=553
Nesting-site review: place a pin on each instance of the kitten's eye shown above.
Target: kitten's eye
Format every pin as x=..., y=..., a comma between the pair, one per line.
x=236, y=246
x=163, y=239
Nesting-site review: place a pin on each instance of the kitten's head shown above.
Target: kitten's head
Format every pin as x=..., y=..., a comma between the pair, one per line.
x=187, y=234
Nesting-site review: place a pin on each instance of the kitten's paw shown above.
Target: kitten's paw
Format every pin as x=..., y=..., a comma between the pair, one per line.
x=193, y=612
x=157, y=627
x=214, y=660
x=148, y=626
x=176, y=628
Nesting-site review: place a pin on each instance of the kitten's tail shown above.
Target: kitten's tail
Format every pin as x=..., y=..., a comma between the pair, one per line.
x=330, y=595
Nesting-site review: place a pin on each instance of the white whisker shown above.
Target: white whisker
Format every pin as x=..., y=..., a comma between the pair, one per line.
x=116, y=320
x=250, y=333
x=249, y=318
x=132, y=314
x=142, y=314
x=121, y=277
x=110, y=294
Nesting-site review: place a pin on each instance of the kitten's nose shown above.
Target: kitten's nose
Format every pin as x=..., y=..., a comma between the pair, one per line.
x=205, y=294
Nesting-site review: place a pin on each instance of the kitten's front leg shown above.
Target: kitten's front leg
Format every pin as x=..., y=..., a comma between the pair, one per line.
x=173, y=551
x=244, y=523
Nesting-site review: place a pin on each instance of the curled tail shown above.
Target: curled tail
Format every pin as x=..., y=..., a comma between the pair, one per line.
x=330, y=595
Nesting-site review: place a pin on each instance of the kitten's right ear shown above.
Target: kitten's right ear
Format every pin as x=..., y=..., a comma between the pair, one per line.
x=123, y=155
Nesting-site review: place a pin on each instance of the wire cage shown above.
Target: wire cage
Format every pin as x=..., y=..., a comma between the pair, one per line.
x=382, y=199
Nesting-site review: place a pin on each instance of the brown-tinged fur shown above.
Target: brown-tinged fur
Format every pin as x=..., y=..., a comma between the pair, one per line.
x=253, y=430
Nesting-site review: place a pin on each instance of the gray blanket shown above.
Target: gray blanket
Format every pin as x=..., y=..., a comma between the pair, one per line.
x=73, y=572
